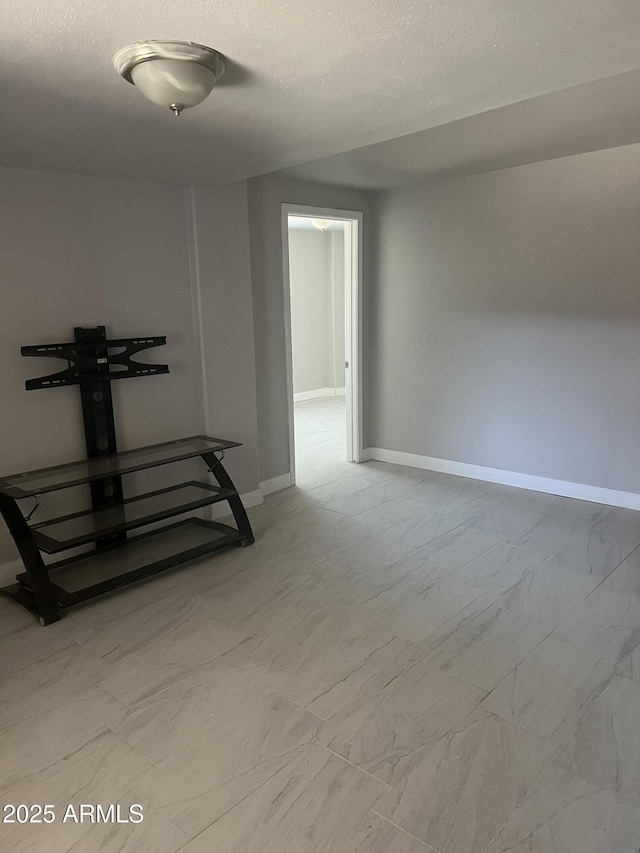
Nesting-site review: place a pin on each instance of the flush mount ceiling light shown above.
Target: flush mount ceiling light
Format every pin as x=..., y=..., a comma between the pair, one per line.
x=321, y=224
x=173, y=74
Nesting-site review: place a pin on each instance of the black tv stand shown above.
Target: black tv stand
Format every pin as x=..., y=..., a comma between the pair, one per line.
x=116, y=559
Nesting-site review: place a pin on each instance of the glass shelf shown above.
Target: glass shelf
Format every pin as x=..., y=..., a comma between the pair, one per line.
x=84, y=471
x=69, y=531
x=83, y=577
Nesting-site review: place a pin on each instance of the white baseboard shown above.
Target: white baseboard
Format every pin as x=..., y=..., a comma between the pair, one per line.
x=319, y=392
x=311, y=395
x=581, y=491
x=276, y=484
x=366, y=456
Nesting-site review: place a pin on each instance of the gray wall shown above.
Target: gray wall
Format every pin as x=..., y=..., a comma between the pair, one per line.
x=266, y=195
x=337, y=282
x=311, y=309
x=506, y=320
x=90, y=251
x=316, y=276
x=224, y=316
x=85, y=251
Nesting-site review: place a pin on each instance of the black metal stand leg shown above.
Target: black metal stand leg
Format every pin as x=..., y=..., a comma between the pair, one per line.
x=239, y=513
x=45, y=603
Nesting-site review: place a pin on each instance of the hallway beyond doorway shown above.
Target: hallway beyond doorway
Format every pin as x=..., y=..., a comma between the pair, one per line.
x=320, y=432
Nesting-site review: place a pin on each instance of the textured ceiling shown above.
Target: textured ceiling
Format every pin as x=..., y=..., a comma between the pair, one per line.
x=590, y=117
x=307, y=79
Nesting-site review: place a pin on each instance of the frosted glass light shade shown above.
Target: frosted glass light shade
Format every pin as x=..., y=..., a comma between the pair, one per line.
x=167, y=82
x=173, y=74
x=321, y=224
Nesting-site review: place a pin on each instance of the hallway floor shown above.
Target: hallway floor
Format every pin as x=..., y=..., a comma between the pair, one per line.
x=320, y=438
x=404, y=662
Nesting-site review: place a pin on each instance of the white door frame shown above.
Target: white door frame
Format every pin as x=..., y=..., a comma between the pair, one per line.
x=353, y=220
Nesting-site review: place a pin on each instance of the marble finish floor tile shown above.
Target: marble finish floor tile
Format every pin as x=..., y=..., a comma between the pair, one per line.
x=374, y=834
x=324, y=471
x=281, y=505
x=281, y=565
x=313, y=802
x=96, y=770
x=173, y=618
x=552, y=689
x=316, y=548
x=368, y=556
x=437, y=494
x=72, y=837
x=225, y=713
x=118, y=634
x=369, y=587
x=481, y=500
x=232, y=561
x=266, y=603
x=562, y=522
x=149, y=671
x=425, y=612
x=630, y=668
x=459, y=546
x=606, y=622
x=419, y=530
x=605, y=748
x=98, y=612
x=460, y=789
x=625, y=580
x=370, y=497
x=550, y=534
x=313, y=547
x=393, y=515
x=13, y=618
x=142, y=657
x=446, y=493
x=64, y=667
x=335, y=698
x=337, y=489
x=102, y=765
x=500, y=569
x=604, y=545
x=287, y=532
x=241, y=599
x=49, y=726
x=29, y=645
x=154, y=833
x=513, y=518
x=325, y=647
x=549, y=592
x=192, y=792
x=567, y=813
x=382, y=731
x=485, y=649
x=441, y=631
x=280, y=697
x=379, y=471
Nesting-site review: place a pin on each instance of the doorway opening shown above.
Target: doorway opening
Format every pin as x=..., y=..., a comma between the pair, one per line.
x=322, y=288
